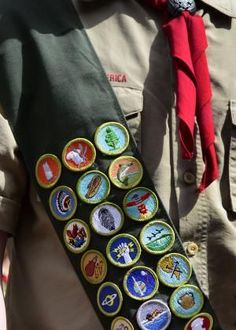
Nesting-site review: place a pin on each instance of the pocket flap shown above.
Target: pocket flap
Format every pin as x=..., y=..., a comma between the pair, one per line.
x=130, y=100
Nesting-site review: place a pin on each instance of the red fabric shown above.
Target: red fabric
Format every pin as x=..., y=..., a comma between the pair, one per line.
x=187, y=39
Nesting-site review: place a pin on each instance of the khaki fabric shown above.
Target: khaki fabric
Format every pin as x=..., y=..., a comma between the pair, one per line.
x=44, y=292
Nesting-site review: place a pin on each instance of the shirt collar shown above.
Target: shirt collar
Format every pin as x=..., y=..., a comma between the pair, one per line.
x=227, y=7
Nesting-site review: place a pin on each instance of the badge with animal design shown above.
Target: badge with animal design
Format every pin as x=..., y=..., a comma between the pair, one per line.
x=186, y=301
x=93, y=187
x=111, y=138
x=202, y=321
x=76, y=236
x=125, y=172
x=79, y=154
x=140, y=204
x=63, y=203
x=48, y=170
x=174, y=269
x=109, y=299
x=94, y=266
x=121, y=323
x=107, y=219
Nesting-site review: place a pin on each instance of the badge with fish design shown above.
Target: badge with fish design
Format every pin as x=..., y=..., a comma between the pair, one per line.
x=78, y=154
x=123, y=250
x=109, y=299
x=107, y=219
x=202, y=321
x=186, y=301
x=153, y=315
x=76, y=236
x=140, y=204
x=174, y=269
x=111, y=138
x=121, y=323
x=93, y=187
x=93, y=266
x=125, y=172
x=141, y=283
x=157, y=237
x=48, y=170
x=63, y=203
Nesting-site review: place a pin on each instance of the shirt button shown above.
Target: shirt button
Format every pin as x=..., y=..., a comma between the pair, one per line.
x=192, y=249
x=189, y=177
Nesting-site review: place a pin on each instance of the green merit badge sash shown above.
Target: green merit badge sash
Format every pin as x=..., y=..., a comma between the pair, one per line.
x=90, y=175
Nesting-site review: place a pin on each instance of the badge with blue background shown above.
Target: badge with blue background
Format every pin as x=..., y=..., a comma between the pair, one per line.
x=109, y=299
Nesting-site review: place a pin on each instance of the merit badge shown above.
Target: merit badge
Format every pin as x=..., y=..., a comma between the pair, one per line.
x=153, y=315
x=174, y=270
x=140, y=283
x=76, y=236
x=202, y=321
x=111, y=138
x=93, y=266
x=107, y=219
x=63, y=203
x=157, y=237
x=93, y=187
x=78, y=154
x=140, y=204
x=121, y=323
x=186, y=301
x=109, y=299
x=48, y=170
x=123, y=250
x=125, y=172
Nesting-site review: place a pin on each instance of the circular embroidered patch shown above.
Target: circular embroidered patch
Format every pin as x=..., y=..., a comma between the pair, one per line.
x=78, y=154
x=121, y=323
x=107, y=219
x=125, y=172
x=111, y=138
x=174, y=270
x=153, y=315
x=109, y=299
x=76, y=235
x=186, y=301
x=140, y=204
x=123, y=250
x=63, y=203
x=48, y=170
x=157, y=237
x=202, y=321
x=140, y=283
x=93, y=266
x=93, y=187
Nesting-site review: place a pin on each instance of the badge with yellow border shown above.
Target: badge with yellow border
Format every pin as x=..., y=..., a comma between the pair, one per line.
x=63, y=203
x=48, y=170
x=94, y=266
x=202, y=321
x=121, y=323
x=109, y=299
x=76, y=236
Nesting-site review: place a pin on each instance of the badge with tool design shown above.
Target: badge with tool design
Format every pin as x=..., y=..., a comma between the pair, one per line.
x=121, y=323
x=140, y=204
x=93, y=266
x=174, y=269
x=109, y=299
x=48, y=170
x=93, y=187
x=140, y=283
x=111, y=138
x=125, y=172
x=153, y=315
x=107, y=219
x=186, y=301
x=76, y=236
x=123, y=250
x=157, y=237
x=78, y=154
x=202, y=321
x=63, y=203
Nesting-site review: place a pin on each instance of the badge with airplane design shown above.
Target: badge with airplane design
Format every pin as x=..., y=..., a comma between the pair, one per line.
x=77, y=236
x=48, y=170
x=63, y=203
x=109, y=299
x=94, y=266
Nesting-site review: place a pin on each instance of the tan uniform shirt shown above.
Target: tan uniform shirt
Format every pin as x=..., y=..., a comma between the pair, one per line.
x=44, y=292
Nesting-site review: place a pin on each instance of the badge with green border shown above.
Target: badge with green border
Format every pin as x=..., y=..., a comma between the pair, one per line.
x=140, y=204
x=78, y=154
x=157, y=237
x=202, y=321
x=93, y=187
x=109, y=299
x=123, y=250
x=76, y=235
x=94, y=266
x=107, y=219
x=141, y=283
x=186, y=301
x=125, y=172
x=111, y=138
x=48, y=170
x=121, y=323
x=63, y=203
x=174, y=269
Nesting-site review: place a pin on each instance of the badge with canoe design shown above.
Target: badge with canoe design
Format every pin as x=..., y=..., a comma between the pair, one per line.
x=76, y=236
x=121, y=323
x=109, y=299
x=48, y=170
x=202, y=321
x=63, y=203
x=94, y=266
